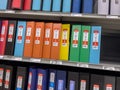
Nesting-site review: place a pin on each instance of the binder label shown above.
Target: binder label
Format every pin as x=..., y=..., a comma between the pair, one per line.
x=19, y=82
x=29, y=81
x=20, y=32
x=52, y=81
x=96, y=87
x=85, y=39
x=1, y=76
x=64, y=37
x=109, y=87
x=55, y=37
x=95, y=39
x=10, y=33
x=75, y=38
x=37, y=35
x=40, y=80
x=72, y=85
x=2, y=33
x=60, y=84
x=28, y=34
x=83, y=85
x=7, y=79
x=47, y=36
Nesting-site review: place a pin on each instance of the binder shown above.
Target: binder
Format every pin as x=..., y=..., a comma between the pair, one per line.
x=64, y=44
x=95, y=6
x=32, y=79
x=95, y=45
x=3, y=36
x=67, y=6
x=103, y=7
x=21, y=78
x=52, y=79
x=85, y=44
x=38, y=40
x=109, y=83
x=3, y=4
x=76, y=6
x=17, y=4
x=9, y=4
x=27, y=4
x=84, y=81
x=55, y=48
x=97, y=82
x=73, y=81
x=29, y=38
x=47, y=4
x=36, y=5
x=117, y=83
x=57, y=4
x=42, y=79
x=20, y=37
x=88, y=6
x=2, y=71
x=10, y=41
x=115, y=7
x=61, y=80
x=47, y=40
x=75, y=43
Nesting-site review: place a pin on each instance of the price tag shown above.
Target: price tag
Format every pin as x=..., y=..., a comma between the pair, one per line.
x=79, y=15
x=84, y=65
x=112, y=17
x=78, y=65
x=35, y=60
x=59, y=62
x=53, y=62
x=109, y=68
x=1, y=57
x=17, y=59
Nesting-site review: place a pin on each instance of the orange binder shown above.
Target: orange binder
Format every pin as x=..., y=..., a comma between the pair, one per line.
x=28, y=47
x=47, y=40
x=55, y=48
x=38, y=40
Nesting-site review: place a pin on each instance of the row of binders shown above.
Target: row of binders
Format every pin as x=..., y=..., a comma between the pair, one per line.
x=57, y=41
x=51, y=79
x=76, y=6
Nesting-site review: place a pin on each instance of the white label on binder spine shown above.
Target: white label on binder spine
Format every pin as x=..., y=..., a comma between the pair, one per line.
x=109, y=87
x=96, y=87
x=29, y=81
x=40, y=80
x=1, y=76
x=47, y=36
x=20, y=32
x=85, y=38
x=2, y=33
x=75, y=38
x=37, y=35
x=10, y=33
x=19, y=82
x=55, y=37
x=83, y=85
x=7, y=79
x=64, y=38
x=28, y=34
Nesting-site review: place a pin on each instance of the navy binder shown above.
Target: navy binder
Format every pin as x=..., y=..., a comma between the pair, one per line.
x=76, y=6
x=3, y=4
x=61, y=80
x=56, y=7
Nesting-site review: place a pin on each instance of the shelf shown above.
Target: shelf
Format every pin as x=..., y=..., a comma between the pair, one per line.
x=108, y=67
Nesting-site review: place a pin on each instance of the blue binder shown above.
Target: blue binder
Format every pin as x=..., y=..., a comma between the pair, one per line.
x=42, y=79
x=36, y=4
x=20, y=37
x=61, y=80
x=76, y=6
x=66, y=6
x=87, y=6
x=3, y=4
x=47, y=5
x=56, y=5
x=95, y=45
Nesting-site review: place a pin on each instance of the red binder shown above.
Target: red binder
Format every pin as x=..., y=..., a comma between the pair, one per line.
x=3, y=36
x=27, y=4
x=17, y=4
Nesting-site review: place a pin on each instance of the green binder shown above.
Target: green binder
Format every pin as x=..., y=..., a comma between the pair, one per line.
x=75, y=43
x=85, y=44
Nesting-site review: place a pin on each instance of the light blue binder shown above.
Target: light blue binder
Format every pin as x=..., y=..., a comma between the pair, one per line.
x=95, y=45
x=67, y=6
x=57, y=5
x=3, y=4
x=47, y=5
x=87, y=6
x=19, y=44
x=36, y=4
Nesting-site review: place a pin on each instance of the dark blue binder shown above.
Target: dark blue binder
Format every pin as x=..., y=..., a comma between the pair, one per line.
x=61, y=80
x=76, y=6
x=56, y=7
x=87, y=6
x=3, y=4
x=47, y=5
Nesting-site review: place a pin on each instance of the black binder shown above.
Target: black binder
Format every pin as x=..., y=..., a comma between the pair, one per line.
x=9, y=4
x=117, y=83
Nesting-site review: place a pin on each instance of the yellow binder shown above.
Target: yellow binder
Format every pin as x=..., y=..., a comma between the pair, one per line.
x=64, y=44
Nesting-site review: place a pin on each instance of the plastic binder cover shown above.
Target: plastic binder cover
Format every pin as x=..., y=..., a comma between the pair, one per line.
x=103, y=7
x=67, y=4
x=3, y=36
x=47, y=4
x=75, y=43
x=28, y=47
x=9, y=4
x=84, y=81
x=76, y=6
x=57, y=4
x=55, y=49
x=10, y=41
x=47, y=40
x=95, y=45
x=27, y=4
x=20, y=36
x=3, y=4
x=85, y=44
x=64, y=44
x=37, y=4
x=2, y=71
x=38, y=40
x=42, y=79
x=73, y=81
x=32, y=79
x=117, y=83
x=17, y=4
x=61, y=80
